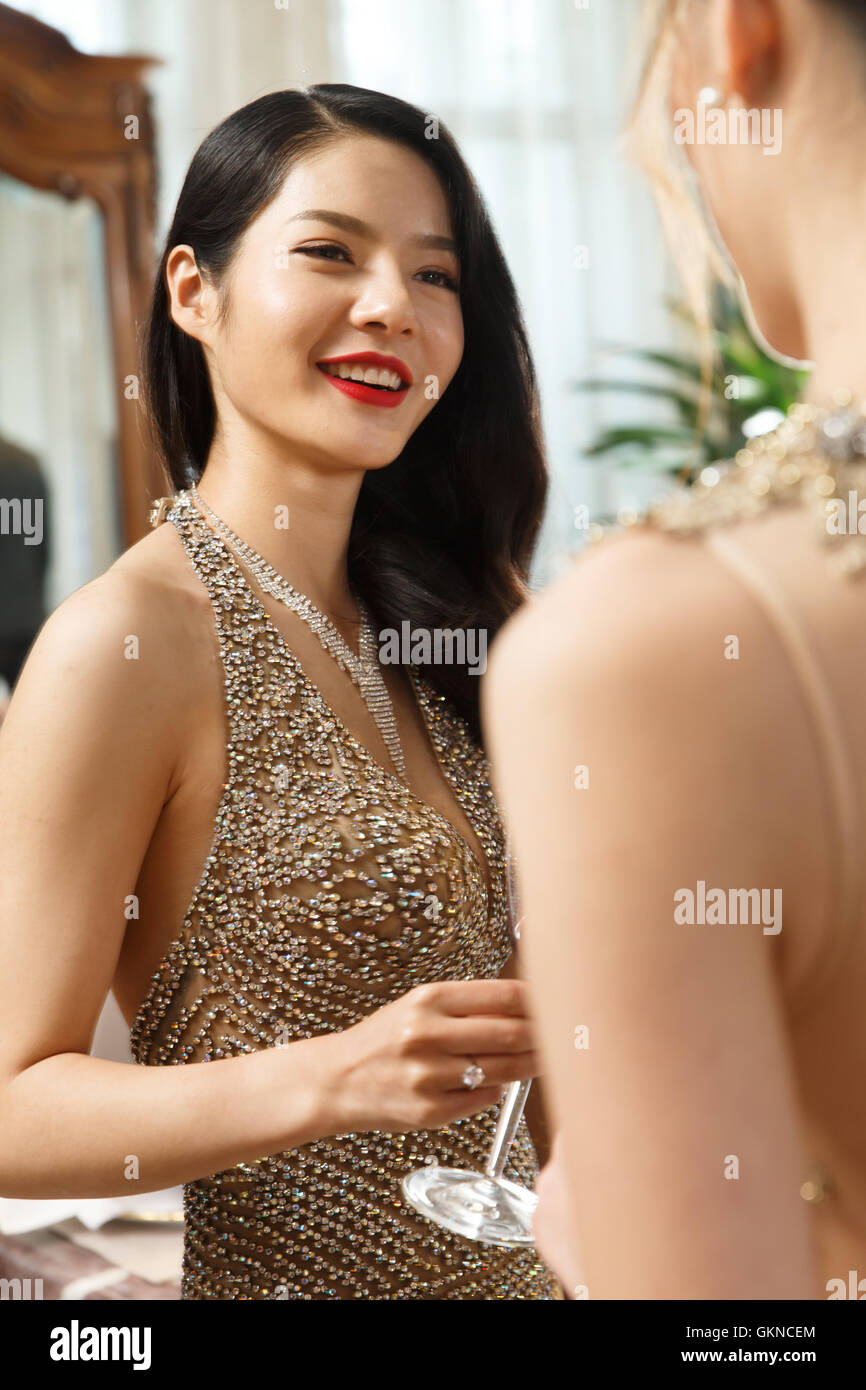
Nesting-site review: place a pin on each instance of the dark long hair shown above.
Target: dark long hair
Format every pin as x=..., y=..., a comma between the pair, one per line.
x=443, y=536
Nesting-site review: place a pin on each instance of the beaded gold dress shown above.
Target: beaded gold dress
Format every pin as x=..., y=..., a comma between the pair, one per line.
x=330, y=888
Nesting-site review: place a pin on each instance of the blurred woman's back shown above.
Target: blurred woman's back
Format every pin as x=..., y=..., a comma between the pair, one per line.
x=707, y=672
x=804, y=569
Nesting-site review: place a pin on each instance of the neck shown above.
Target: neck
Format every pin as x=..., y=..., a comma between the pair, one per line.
x=827, y=270
x=296, y=516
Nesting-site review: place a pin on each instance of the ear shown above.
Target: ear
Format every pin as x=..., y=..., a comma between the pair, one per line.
x=753, y=39
x=190, y=297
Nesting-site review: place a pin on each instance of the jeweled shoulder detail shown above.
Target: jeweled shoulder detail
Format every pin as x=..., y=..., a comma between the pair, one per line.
x=816, y=457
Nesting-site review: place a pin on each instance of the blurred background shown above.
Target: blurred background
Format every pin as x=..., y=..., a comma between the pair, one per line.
x=535, y=92
x=102, y=104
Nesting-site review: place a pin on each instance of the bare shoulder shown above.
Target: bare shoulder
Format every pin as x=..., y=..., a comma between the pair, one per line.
x=127, y=651
x=156, y=577
x=148, y=601
x=642, y=609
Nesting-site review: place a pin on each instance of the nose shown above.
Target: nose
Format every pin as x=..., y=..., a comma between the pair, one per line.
x=385, y=302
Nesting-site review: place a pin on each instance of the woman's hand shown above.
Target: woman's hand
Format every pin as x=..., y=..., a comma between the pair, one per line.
x=401, y=1069
x=553, y=1224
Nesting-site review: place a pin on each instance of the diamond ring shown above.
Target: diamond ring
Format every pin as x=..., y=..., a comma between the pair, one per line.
x=473, y=1076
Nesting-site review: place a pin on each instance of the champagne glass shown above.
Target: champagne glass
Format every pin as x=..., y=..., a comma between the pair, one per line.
x=482, y=1206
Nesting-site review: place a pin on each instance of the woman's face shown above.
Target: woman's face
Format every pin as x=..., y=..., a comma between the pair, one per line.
x=353, y=257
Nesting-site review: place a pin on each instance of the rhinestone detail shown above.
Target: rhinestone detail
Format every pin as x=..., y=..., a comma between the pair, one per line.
x=473, y=1076
x=313, y=910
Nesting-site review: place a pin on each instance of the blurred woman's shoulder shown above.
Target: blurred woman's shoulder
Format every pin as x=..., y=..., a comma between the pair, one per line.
x=721, y=642
x=763, y=552
x=814, y=460
x=785, y=516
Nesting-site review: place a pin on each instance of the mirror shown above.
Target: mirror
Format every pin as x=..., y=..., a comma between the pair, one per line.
x=60, y=522
x=77, y=188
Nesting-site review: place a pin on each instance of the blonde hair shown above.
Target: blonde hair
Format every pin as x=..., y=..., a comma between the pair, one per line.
x=648, y=137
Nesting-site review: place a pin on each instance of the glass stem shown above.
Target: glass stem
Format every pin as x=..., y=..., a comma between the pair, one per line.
x=506, y=1128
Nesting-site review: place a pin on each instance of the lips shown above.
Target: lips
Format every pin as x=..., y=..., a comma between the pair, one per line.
x=369, y=377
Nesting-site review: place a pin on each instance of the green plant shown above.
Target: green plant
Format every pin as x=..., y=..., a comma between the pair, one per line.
x=745, y=381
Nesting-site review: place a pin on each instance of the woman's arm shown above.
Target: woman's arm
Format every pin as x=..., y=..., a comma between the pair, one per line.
x=78, y=1126
x=88, y=756
x=632, y=764
x=90, y=752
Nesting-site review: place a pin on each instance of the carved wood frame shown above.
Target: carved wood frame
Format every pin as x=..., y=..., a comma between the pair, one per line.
x=65, y=127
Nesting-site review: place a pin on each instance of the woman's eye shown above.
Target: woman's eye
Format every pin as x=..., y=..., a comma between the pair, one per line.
x=326, y=251
x=440, y=277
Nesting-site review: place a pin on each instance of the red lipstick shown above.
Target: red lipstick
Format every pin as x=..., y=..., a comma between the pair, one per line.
x=359, y=390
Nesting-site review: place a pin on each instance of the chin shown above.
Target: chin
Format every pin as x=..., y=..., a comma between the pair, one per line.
x=373, y=465
x=366, y=460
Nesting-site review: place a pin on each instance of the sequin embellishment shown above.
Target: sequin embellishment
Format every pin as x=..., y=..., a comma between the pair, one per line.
x=330, y=889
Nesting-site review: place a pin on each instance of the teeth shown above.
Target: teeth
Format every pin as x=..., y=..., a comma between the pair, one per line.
x=370, y=376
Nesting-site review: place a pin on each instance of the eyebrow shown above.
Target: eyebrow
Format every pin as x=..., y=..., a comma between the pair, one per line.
x=346, y=223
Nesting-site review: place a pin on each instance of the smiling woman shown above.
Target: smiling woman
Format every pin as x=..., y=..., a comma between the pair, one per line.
x=309, y=834
x=312, y=205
